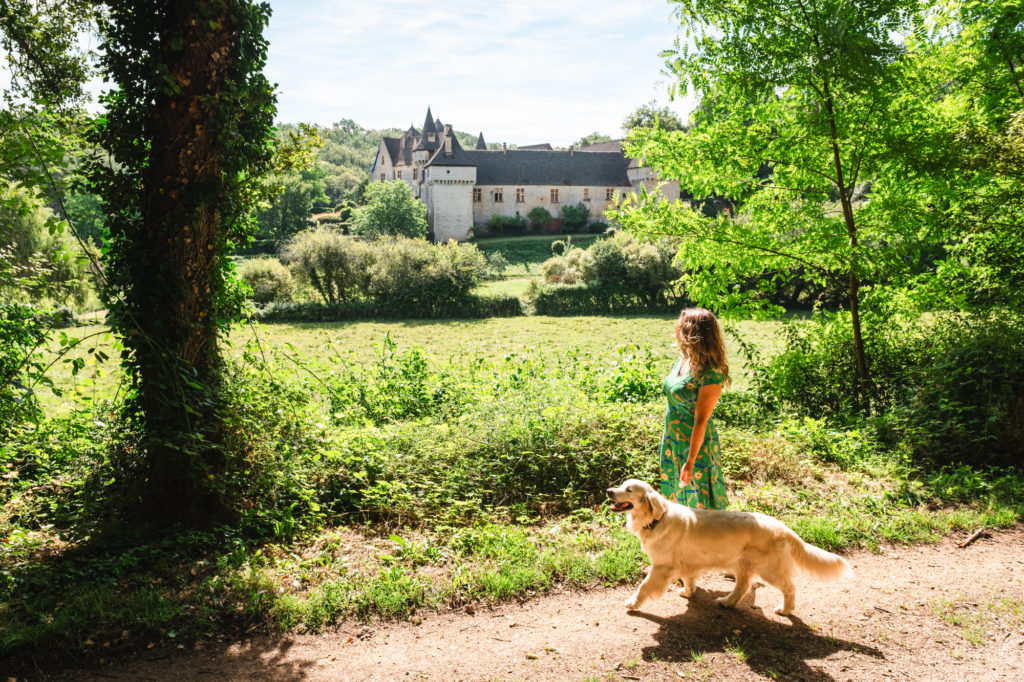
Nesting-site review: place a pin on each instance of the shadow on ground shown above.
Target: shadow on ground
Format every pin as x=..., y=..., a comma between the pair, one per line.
x=768, y=647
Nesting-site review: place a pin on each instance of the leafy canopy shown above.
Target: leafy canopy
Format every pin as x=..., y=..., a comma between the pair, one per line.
x=390, y=209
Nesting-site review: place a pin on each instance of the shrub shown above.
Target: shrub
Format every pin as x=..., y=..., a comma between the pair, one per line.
x=567, y=269
x=333, y=264
x=506, y=225
x=575, y=218
x=966, y=392
x=540, y=219
x=268, y=279
x=497, y=264
x=597, y=227
x=411, y=273
x=559, y=247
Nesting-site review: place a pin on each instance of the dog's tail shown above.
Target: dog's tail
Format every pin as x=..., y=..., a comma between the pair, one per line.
x=818, y=563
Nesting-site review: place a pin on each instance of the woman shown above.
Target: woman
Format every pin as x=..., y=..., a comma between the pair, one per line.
x=691, y=468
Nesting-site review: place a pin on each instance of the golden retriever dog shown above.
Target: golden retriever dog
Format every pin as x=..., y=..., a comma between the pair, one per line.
x=684, y=543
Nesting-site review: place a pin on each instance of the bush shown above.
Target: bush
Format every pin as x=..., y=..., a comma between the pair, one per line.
x=575, y=218
x=597, y=227
x=268, y=278
x=540, y=219
x=567, y=269
x=471, y=307
x=497, y=264
x=947, y=389
x=333, y=264
x=559, y=247
x=506, y=225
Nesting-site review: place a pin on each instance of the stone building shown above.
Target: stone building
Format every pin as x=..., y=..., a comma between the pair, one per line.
x=465, y=187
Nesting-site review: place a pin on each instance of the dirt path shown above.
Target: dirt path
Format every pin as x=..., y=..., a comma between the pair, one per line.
x=913, y=613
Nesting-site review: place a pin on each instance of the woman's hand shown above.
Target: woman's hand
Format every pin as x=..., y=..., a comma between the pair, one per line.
x=686, y=473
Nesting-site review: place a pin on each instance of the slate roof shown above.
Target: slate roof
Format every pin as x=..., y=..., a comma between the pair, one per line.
x=392, y=144
x=457, y=157
x=609, y=146
x=546, y=146
x=536, y=167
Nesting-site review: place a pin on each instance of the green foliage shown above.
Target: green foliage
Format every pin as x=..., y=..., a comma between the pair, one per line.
x=269, y=280
x=575, y=218
x=472, y=307
x=411, y=273
x=540, y=218
x=22, y=332
x=649, y=116
x=46, y=262
x=506, y=225
x=295, y=194
x=617, y=272
x=593, y=138
x=390, y=209
x=335, y=265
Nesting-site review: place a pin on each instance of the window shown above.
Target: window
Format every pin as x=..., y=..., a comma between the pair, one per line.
x=586, y=194
x=478, y=195
x=499, y=196
x=554, y=196
x=399, y=175
x=414, y=171
x=609, y=194
x=382, y=177
x=520, y=195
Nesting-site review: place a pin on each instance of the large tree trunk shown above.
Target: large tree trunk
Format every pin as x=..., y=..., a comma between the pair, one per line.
x=176, y=271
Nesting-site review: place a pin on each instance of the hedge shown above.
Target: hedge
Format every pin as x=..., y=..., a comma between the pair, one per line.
x=583, y=300
x=472, y=307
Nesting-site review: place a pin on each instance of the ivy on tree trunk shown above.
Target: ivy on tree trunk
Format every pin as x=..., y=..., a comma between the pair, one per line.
x=186, y=135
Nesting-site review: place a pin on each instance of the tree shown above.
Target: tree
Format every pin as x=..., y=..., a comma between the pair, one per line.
x=812, y=98
x=592, y=138
x=188, y=127
x=390, y=209
x=296, y=193
x=648, y=115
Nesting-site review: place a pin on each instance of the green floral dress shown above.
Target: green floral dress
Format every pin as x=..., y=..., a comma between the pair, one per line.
x=706, y=489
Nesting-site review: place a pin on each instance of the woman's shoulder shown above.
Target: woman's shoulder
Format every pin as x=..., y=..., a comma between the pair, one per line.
x=711, y=375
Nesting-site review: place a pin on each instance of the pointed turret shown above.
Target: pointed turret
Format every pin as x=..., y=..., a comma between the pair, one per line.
x=480, y=144
x=438, y=125
x=428, y=125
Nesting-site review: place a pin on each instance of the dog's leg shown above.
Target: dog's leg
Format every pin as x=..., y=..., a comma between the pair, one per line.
x=742, y=585
x=653, y=586
x=788, y=597
x=689, y=585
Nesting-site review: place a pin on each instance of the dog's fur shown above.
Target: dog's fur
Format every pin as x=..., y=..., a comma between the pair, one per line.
x=685, y=543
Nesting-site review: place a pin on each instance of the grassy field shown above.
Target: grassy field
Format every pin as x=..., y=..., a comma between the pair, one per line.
x=491, y=339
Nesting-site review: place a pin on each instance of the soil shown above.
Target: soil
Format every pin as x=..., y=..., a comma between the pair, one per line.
x=917, y=613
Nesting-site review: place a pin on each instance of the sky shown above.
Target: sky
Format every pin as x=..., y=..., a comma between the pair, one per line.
x=522, y=72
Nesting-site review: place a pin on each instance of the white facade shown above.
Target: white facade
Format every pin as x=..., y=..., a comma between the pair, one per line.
x=464, y=188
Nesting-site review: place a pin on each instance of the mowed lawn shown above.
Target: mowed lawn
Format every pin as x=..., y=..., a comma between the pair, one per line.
x=313, y=344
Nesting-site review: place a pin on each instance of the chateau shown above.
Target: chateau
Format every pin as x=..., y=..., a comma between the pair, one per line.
x=465, y=187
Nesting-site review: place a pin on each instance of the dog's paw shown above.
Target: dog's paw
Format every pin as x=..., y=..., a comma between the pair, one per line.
x=632, y=605
x=724, y=603
x=783, y=611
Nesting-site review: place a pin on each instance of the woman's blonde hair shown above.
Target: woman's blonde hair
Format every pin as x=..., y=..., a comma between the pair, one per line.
x=700, y=340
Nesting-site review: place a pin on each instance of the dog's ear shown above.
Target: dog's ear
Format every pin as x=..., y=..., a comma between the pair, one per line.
x=659, y=505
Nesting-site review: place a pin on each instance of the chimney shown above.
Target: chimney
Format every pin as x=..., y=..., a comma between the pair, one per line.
x=572, y=150
x=448, y=146
x=504, y=148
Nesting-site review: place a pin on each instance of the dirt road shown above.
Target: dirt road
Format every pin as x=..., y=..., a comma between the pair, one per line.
x=937, y=612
